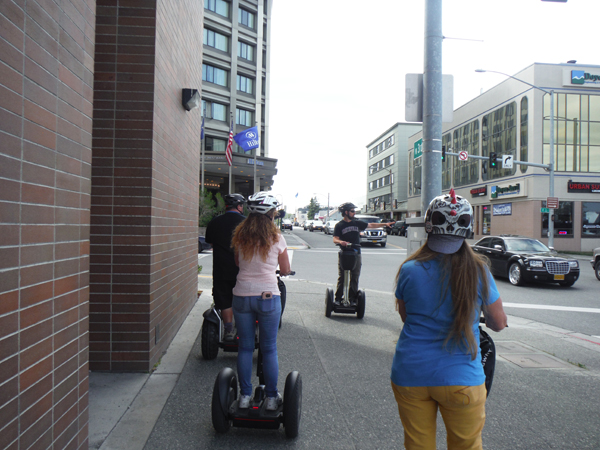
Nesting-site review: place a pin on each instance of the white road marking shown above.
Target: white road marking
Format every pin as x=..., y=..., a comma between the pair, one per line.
x=551, y=307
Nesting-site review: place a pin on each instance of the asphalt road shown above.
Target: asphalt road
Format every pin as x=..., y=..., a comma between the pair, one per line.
x=575, y=308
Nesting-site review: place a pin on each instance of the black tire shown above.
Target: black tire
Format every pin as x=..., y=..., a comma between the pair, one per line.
x=383, y=244
x=597, y=269
x=328, y=302
x=515, y=274
x=283, y=294
x=566, y=283
x=224, y=394
x=360, y=305
x=210, y=340
x=292, y=404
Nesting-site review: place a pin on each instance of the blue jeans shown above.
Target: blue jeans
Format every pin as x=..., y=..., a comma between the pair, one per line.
x=247, y=310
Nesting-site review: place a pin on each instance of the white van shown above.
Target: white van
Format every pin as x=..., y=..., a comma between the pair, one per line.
x=372, y=235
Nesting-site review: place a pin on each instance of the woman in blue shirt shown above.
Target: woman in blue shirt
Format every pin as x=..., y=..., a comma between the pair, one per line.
x=440, y=293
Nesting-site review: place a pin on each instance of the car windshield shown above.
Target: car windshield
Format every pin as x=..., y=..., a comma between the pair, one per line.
x=369, y=219
x=525, y=245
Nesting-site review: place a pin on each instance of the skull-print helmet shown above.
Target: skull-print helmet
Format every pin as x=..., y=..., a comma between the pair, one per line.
x=449, y=214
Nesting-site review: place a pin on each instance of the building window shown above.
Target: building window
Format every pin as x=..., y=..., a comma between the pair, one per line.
x=245, y=84
x=466, y=139
x=385, y=162
x=414, y=175
x=590, y=222
x=246, y=18
x=243, y=117
x=563, y=220
x=576, y=132
x=214, y=75
x=447, y=163
x=384, y=145
x=487, y=220
x=524, y=132
x=499, y=134
x=245, y=51
x=220, y=7
x=216, y=40
x=215, y=145
x=214, y=110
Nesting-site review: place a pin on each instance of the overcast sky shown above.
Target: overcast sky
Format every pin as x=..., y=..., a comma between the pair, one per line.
x=338, y=68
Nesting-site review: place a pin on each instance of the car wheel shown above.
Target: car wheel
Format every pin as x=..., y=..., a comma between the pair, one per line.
x=567, y=283
x=383, y=244
x=597, y=269
x=515, y=274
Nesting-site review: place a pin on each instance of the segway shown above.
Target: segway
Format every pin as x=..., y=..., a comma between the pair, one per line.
x=488, y=356
x=225, y=411
x=213, y=331
x=348, y=258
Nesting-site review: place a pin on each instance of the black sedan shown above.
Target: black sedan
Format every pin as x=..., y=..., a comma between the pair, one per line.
x=522, y=259
x=202, y=244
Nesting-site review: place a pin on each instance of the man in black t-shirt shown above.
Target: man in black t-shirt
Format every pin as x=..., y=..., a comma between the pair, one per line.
x=219, y=233
x=347, y=232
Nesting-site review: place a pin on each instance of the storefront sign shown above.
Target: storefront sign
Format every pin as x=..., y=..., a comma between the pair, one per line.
x=512, y=190
x=258, y=163
x=584, y=78
x=479, y=192
x=418, y=149
x=574, y=186
x=504, y=209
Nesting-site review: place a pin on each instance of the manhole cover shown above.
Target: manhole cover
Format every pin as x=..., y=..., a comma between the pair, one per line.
x=513, y=347
x=535, y=361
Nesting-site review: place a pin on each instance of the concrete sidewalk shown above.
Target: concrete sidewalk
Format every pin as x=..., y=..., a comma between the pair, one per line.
x=545, y=393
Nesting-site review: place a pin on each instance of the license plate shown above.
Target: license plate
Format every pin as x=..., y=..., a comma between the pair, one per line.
x=374, y=241
x=559, y=277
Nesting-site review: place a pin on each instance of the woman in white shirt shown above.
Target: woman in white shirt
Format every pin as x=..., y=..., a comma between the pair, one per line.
x=259, y=247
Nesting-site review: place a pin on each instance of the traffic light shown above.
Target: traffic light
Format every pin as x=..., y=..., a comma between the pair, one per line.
x=493, y=160
x=443, y=153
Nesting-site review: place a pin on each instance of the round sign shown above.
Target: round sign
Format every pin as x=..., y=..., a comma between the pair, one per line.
x=463, y=156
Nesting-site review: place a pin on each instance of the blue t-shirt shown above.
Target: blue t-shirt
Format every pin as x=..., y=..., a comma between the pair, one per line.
x=421, y=357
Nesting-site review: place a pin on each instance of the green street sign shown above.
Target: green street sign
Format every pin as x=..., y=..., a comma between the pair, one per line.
x=545, y=210
x=418, y=148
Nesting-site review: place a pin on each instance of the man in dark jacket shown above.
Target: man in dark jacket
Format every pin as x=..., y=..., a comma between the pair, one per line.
x=219, y=233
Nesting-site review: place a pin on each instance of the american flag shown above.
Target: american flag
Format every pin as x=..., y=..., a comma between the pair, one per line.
x=229, y=150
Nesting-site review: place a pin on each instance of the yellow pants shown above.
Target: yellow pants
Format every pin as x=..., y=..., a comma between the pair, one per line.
x=462, y=408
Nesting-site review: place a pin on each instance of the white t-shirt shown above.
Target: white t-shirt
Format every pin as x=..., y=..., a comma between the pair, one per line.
x=257, y=276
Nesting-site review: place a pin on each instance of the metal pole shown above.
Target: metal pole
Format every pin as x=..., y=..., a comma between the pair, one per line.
x=551, y=162
x=202, y=159
x=391, y=196
x=230, y=176
x=255, y=156
x=432, y=104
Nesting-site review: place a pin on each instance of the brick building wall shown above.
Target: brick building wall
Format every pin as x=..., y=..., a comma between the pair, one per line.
x=144, y=206
x=46, y=77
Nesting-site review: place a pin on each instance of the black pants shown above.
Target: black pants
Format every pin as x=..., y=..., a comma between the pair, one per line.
x=354, y=276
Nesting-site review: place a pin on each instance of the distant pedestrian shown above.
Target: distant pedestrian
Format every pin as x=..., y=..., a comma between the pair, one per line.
x=219, y=233
x=440, y=293
x=259, y=248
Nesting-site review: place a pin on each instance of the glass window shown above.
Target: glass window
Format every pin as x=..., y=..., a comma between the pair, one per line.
x=590, y=222
x=524, y=133
x=216, y=40
x=220, y=7
x=214, y=75
x=466, y=139
x=447, y=163
x=563, y=220
x=245, y=84
x=215, y=145
x=212, y=110
x=246, y=18
x=243, y=117
x=245, y=51
x=487, y=220
x=499, y=134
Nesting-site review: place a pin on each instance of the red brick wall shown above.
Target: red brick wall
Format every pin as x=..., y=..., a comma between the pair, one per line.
x=143, y=258
x=46, y=75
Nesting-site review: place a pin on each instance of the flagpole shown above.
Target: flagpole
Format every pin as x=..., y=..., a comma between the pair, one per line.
x=231, y=118
x=255, y=156
x=202, y=152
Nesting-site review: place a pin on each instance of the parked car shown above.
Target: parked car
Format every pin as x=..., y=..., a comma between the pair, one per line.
x=522, y=259
x=202, y=244
x=307, y=224
x=372, y=235
x=596, y=262
x=316, y=225
x=399, y=228
x=329, y=226
x=286, y=224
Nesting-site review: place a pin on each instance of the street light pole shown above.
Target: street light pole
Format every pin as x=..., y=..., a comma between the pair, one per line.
x=391, y=196
x=551, y=162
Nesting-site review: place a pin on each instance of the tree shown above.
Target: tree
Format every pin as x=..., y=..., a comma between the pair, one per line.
x=313, y=208
x=209, y=207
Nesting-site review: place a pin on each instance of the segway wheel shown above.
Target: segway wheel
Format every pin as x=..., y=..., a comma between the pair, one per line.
x=224, y=394
x=292, y=404
x=360, y=306
x=210, y=340
x=328, y=302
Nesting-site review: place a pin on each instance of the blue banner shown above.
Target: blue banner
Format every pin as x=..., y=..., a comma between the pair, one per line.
x=247, y=139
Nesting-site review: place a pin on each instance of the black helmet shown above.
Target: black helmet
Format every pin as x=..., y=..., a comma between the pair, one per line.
x=232, y=200
x=348, y=206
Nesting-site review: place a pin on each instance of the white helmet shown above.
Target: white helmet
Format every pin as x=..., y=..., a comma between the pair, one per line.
x=449, y=214
x=262, y=203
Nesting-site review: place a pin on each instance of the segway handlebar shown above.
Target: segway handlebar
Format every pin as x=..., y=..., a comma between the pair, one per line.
x=278, y=272
x=348, y=247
